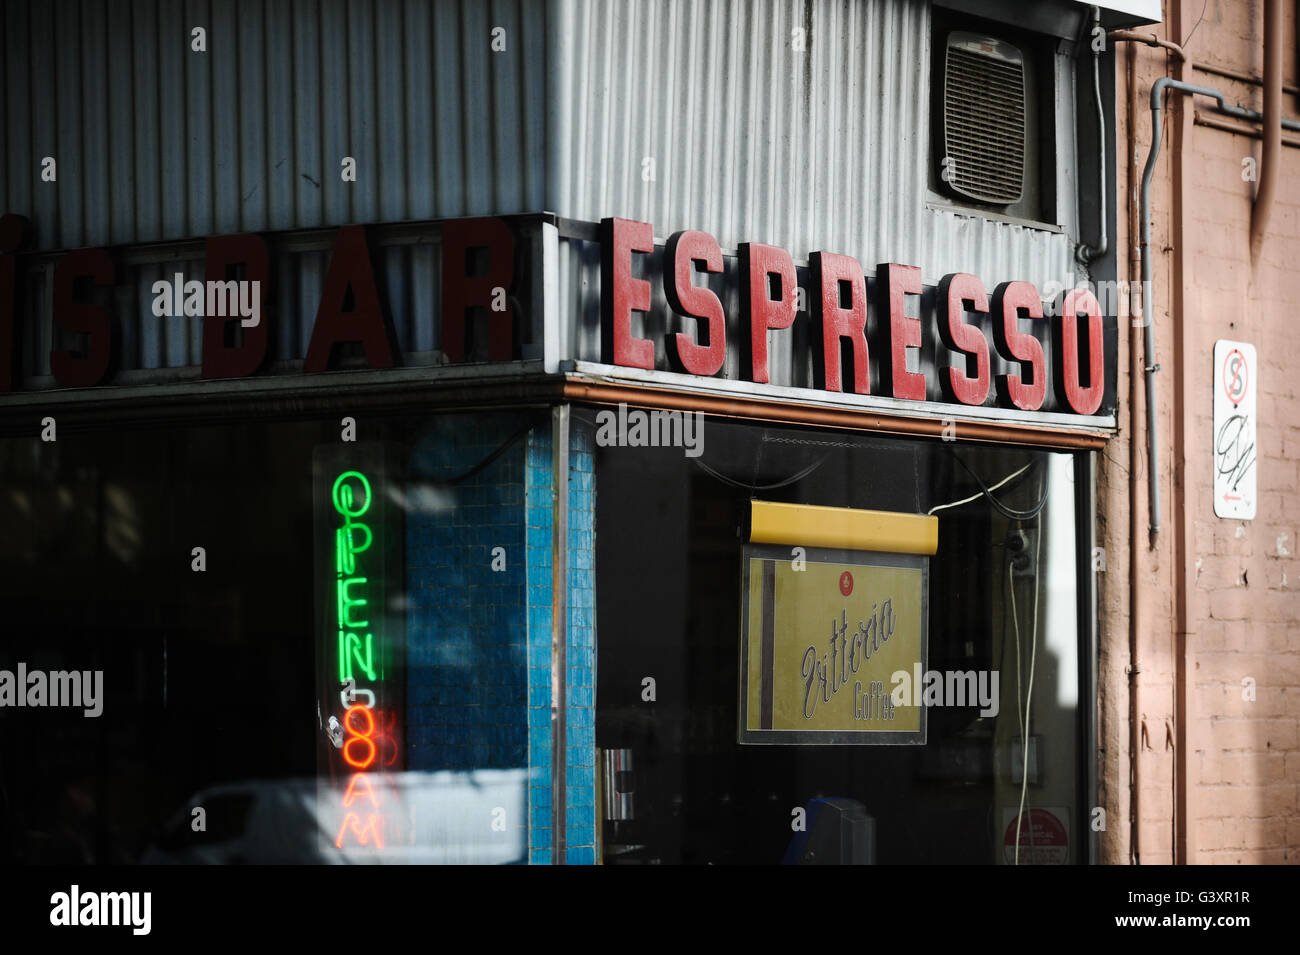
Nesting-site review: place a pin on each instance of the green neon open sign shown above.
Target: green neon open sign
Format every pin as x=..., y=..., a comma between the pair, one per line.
x=359, y=646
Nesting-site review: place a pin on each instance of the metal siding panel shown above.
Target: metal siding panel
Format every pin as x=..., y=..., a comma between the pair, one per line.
x=419, y=117
x=449, y=120
x=173, y=146
x=337, y=139
x=65, y=41
x=391, y=122
x=199, y=121
x=532, y=116
x=254, y=153
x=5, y=188
x=283, y=333
x=476, y=69
x=97, y=151
x=137, y=36
x=310, y=269
x=194, y=326
x=176, y=329
x=222, y=69
x=752, y=141
x=506, y=171
x=22, y=179
x=361, y=118
x=824, y=149
x=391, y=271
x=310, y=169
x=155, y=141
x=44, y=337
x=425, y=295
x=149, y=340
x=282, y=180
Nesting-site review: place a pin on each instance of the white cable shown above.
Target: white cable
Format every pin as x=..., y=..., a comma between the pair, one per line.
x=967, y=500
x=1020, y=719
x=1033, y=653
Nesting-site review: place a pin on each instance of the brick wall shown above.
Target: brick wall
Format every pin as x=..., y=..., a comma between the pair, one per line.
x=1235, y=581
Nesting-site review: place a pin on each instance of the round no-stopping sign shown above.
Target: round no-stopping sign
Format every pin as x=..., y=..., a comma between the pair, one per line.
x=1236, y=376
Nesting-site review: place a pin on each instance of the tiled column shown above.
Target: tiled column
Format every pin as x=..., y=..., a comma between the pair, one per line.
x=479, y=640
x=580, y=732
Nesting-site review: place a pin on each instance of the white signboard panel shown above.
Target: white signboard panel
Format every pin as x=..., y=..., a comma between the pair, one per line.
x=1236, y=375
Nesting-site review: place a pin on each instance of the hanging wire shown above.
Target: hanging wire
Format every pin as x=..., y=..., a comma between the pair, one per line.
x=978, y=494
x=505, y=446
x=1008, y=512
x=794, y=478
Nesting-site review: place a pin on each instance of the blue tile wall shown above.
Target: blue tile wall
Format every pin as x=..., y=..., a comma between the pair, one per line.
x=580, y=770
x=466, y=653
x=537, y=541
x=479, y=641
x=581, y=809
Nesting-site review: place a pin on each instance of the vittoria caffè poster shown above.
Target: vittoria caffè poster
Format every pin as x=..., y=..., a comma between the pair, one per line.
x=824, y=632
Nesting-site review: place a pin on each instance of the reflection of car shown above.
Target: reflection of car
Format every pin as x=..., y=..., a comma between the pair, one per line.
x=477, y=817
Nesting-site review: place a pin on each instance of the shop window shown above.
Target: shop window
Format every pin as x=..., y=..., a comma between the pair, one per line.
x=1002, y=599
x=221, y=670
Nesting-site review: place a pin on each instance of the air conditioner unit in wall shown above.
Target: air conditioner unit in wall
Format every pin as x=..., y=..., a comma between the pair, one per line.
x=984, y=119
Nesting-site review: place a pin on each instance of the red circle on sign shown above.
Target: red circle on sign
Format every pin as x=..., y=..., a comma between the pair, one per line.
x=1240, y=375
x=1043, y=839
x=846, y=583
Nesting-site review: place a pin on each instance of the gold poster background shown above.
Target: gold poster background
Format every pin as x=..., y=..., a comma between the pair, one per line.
x=806, y=603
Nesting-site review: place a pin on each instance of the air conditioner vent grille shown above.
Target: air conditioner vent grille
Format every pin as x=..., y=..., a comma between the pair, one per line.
x=984, y=119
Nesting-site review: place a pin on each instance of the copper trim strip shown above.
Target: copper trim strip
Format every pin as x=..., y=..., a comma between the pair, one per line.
x=795, y=413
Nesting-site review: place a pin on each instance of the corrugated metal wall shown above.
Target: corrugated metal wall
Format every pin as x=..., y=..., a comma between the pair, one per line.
x=156, y=141
x=753, y=140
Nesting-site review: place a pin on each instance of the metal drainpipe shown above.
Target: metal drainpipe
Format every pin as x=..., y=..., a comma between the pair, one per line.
x=1134, y=462
x=1136, y=594
x=1148, y=323
x=1085, y=253
x=1263, y=206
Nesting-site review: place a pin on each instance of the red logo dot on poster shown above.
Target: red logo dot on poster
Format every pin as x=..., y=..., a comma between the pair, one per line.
x=846, y=583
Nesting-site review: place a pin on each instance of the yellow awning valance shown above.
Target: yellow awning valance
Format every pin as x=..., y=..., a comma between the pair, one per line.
x=846, y=528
